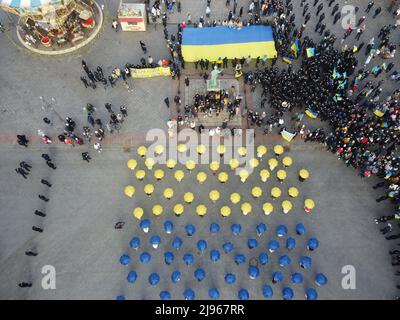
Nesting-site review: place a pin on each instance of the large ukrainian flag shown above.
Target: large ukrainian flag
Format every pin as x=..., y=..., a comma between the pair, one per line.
x=218, y=42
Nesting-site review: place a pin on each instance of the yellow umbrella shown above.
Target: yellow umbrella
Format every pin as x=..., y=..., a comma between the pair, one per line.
x=179, y=175
x=157, y=210
x=149, y=163
x=214, y=166
x=278, y=149
x=182, y=148
x=129, y=191
x=159, y=174
x=190, y=165
x=223, y=177
x=178, y=209
x=188, y=197
x=246, y=208
x=287, y=162
x=140, y=174
x=235, y=198
x=201, y=210
x=214, y=195
x=148, y=189
x=201, y=177
x=141, y=151
x=243, y=174
x=242, y=151
x=171, y=163
x=138, y=213
x=281, y=175
x=201, y=148
x=221, y=149
x=158, y=149
x=225, y=211
x=233, y=163
x=309, y=205
x=303, y=174
x=256, y=192
x=168, y=193
x=254, y=163
x=273, y=163
x=264, y=175
x=132, y=163
x=293, y=192
x=286, y=206
x=276, y=192
x=268, y=208
x=261, y=150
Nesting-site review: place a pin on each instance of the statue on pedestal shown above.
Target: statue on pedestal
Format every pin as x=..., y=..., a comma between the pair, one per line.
x=214, y=78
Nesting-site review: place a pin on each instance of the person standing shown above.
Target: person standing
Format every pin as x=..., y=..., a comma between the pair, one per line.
x=25, y=166
x=45, y=182
x=143, y=46
x=46, y=157
x=37, y=229
x=369, y=6
x=40, y=213
x=22, y=140
x=25, y=284
x=166, y=100
x=42, y=197
x=86, y=156
x=51, y=165
x=377, y=12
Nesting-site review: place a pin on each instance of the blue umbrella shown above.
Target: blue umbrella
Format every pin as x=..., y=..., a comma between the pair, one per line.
x=305, y=262
x=243, y=294
x=135, y=243
x=281, y=230
x=290, y=243
x=311, y=294
x=165, y=295
x=267, y=291
x=132, y=276
x=214, y=227
x=239, y=258
x=145, y=225
x=190, y=229
x=273, y=245
x=312, y=244
x=199, y=274
x=177, y=243
x=300, y=229
x=168, y=227
x=214, y=255
x=120, y=297
x=252, y=243
x=263, y=258
x=188, y=259
x=155, y=241
x=189, y=294
x=321, y=279
x=202, y=245
x=154, y=279
x=168, y=257
x=175, y=276
x=297, y=278
x=284, y=261
x=236, y=228
x=227, y=247
x=253, y=272
x=277, y=277
x=261, y=228
x=125, y=259
x=213, y=293
x=145, y=257
x=230, y=278
x=287, y=293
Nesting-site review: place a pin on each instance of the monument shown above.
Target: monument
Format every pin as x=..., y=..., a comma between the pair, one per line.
x=214, y=84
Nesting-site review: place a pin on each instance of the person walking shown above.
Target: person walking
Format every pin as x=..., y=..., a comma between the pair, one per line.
x=51, y=165
x=22, y=172
x=46, y=157
x=45, y=182
x=22, y=140
x=37, y=229
x=25, y=166
x=86, y=156
x=369, y=6
x=40, y=213
x=143, y=46
x=31, y=253
x=377, y=12
x=42, y=197
x=166, y=100
x=25, y=284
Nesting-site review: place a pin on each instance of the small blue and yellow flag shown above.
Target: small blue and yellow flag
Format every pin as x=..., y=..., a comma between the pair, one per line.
x=311, y=114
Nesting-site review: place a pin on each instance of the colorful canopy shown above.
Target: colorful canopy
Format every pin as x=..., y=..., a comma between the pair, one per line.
x=264, y=175
x=256, y=192
x=236, y=228
x=188, y=197
x=158, y=149
x=235, y=198
x=213, y=293
x=243, y=294
x=243, y=174
x=157, y=210
x=28, y=3
x=286, y=206
x=223, y=177
x=225, y=211
x=178, y=209
x=221, y=149
x=234, y=163
x=276, y=192
x=190, y=165
x=246, y=208
x=304, y=174
x=159, y=174
x=254, y=163
x=309, y=205
x=242, y=151
x=272, y=163
x=148, y=189
x=168, y=193
x=287, y=161
x=140, y=174
x=182, y=148
x=138, y=213
x=201, y=210
x=135, y=243
x=129, y=191
x=132, y=163
x=293, y=192
x=214, y=166
x=268, y=208
x=141, y=151
x=179, y=175
x=201, y=177
x=149, y=163
x=278, y=149
x=261, y=150
x=281, y=174
x=171, y=163
x=201, y=148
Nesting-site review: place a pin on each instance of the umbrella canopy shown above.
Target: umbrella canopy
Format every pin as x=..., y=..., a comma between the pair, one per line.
x=254, y=163
x=145, y=225
x=175, y=276
x=182, y=148
x=235, y=198
x=261, y=150
x=221, y=149
x=309, y=205
x=227, y=247
x=321, y=279
x=141, y=151
x=278, y=149
x=202, y=245
x=305, y=262
x=233, y=163
x=168, y=193
x=214, y=195
x=312, y=244
x=132, y=163
x=286, y=206
x=273, y=245
x=171, y=163
x=129, y=191
x=252, y=243
x=149, y=163
x=268, y=208
x=168, y=257
x=287, y=161
x=145, y=257
x=189, y=294
x=190, y=165
x=165, y=295
x=230, y=278
x=239, y=258
x=246, y=208
x=300, y=229
x=253, y=272
x=272, y=163
x=243, y=174
x=236, y=228
x=293, y=192
x=304, y=174
x=284, y=261
x=256, y=192
x=140, y=174
x=159, y=174
x=188, y=259
x=297, y=278
x=178, y=209
x=177, y=243
x=311, y=294
x=243, y=294
x=199, y=274
x=263, y=258
x=267, y=291
x=277, y=277
x=242, y=151
x=287, y=293
x=158, y=149
x=201, y=210
x=276, y=192
x=261, y=228
x=201, y=177
x=132, y=276
x=155, y=241
x=135, y=243
x=213, y=293
x=188, y=197
x=281, y=230
x=214, y=255
x=223, y=177
x=157, y=210
x=138, y=213
x=281, y=174
x=120, y=297
x=125, y=259
x=264, y=175
x=201, y=148
x=168, y=226
x=290, y=243
x=154, y=279
x=225, y=211
x=214, y=166
x=179, y=175
x=190, y=229
x=148, y=189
